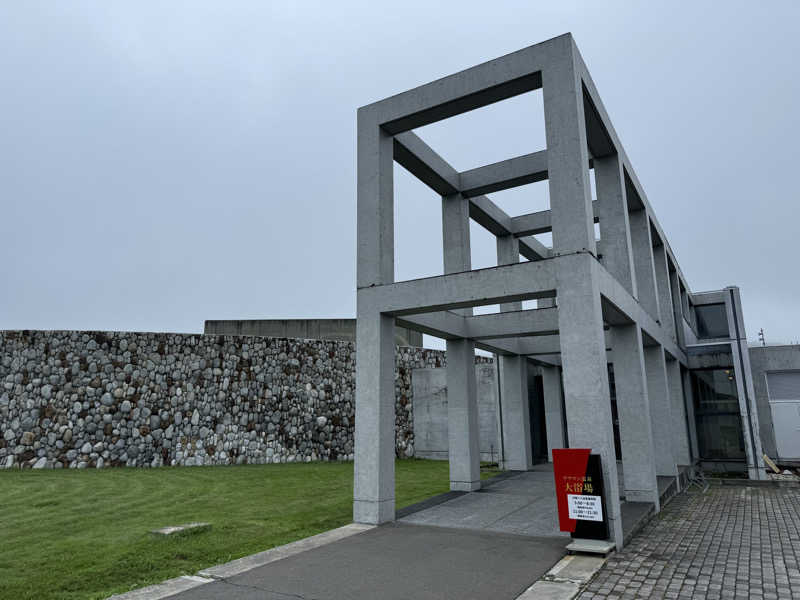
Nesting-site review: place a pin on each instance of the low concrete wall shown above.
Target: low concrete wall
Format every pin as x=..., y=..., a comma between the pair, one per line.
x=307, y=329
x=430, y=412
x=95, y=399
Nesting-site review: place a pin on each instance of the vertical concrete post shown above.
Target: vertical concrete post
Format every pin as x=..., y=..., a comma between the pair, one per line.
x=514, y=383
x=508, y=254
x=580, y=318
x=554, y=420
x=664, y=292
x=643, y=262
x=462, y=417
x=516, y=413
x=612, y=214
x=462, y=398
x=677, y=308
x=680, y=432
x=744, y=384
x=633, y=408
x=660, y=409
x=373, y=483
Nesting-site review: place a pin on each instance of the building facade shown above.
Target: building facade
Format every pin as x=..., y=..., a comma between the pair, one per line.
x=619, y=299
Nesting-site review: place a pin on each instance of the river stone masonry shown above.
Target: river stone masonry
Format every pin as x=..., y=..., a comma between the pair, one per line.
x=98, y=399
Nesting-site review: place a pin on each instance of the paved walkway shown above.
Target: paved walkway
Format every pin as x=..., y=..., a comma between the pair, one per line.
x=523, y=503
x=732, y=542
x=395, y=562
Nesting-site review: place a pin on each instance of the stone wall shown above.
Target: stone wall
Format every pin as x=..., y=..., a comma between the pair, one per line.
x=96, y=399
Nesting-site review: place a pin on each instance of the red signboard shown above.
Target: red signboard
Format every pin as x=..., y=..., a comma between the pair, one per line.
x=579, y=493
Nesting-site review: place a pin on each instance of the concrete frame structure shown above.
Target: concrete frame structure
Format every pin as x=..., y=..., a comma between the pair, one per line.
x=622, y=299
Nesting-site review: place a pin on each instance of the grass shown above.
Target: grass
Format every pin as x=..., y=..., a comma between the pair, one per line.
x=85, y=534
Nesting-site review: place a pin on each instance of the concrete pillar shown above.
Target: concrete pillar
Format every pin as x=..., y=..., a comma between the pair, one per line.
x=744, y=384
x=664, y=291
x=612, y=214
x=373, y=483
x=516, y=413
x=508, y=254
x=680, y=432
x=580, y=318
x=514, y=383
x=633, y=408
x=660, y=409
x=643, y=262
x=462, y=417
x=677, y=308
x=462, y=398
x=554, y=419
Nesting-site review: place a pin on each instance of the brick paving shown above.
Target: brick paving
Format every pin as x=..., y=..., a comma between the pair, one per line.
x=732, y=542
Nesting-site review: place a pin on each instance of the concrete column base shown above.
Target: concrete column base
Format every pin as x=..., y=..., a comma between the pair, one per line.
x=465, y=486
x=643, y=496
x=373, y=512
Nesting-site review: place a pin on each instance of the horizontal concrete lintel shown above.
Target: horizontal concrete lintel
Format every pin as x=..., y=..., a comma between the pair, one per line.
x=537, y=222
x=533, y=249
x=472, y=88
x=520, y=323
x=505, y=174
x=507, y=283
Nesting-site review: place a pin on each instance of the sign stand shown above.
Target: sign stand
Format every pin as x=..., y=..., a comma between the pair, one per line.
x=580, y=497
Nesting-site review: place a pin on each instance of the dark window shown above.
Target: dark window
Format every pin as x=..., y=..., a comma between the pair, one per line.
x=712, y=321
x=716, y=411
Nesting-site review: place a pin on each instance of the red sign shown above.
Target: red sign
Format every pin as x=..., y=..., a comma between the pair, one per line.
x=569, y=469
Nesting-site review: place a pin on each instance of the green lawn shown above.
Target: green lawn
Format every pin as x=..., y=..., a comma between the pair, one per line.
x=85, y=534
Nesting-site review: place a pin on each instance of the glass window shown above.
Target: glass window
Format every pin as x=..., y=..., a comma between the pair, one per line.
x=716, y=406
x=712, y=321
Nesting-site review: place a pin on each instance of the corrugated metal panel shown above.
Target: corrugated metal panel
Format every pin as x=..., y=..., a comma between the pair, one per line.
x=783, y=385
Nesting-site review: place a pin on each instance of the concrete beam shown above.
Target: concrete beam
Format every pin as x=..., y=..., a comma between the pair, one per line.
x=509, y=283
x=538, y=222
x=505, y=174
x=533, y=249
x=520, y=323
x=484, y=84
x=420, y=160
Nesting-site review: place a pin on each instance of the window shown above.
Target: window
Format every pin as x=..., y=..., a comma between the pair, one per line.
x=712, y=321
x=716, y=411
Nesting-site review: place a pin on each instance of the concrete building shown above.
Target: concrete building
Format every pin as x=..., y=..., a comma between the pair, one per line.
x=618, y=304
x=776, y=380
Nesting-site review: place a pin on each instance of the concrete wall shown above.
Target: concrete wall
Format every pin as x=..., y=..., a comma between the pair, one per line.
x=762, y=360
x=307, y=329
x=430, y=413
x=94, y=399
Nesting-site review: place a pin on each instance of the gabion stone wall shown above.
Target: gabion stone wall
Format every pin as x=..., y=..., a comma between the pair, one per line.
x=98, y=399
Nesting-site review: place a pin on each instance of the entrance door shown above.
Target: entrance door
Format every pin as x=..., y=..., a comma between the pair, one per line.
x=537, y=417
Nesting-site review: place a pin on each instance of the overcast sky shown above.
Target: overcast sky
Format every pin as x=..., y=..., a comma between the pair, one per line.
x=162, y=163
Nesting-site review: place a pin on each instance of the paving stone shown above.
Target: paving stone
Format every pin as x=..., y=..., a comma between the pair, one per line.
x=732, y=542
